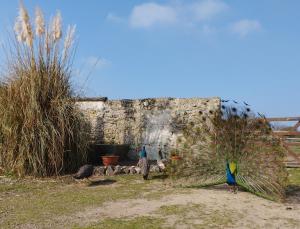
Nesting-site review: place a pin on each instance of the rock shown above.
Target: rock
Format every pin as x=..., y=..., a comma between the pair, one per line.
x=154, y=169
x=84, y=171
x=151, y=168
x=161, y=166
x=109, y=171
x=99, y=171
x=138, y=170
x=123, y=168
x=157, y=169
x=118, y=170
x=132, y=170
x=127, y=170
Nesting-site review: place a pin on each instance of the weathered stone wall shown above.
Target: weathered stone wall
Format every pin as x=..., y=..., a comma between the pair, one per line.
x=151, y=122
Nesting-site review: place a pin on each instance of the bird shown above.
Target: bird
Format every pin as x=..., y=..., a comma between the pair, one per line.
x=228, y=155
x=231, y=171
x=84, y=171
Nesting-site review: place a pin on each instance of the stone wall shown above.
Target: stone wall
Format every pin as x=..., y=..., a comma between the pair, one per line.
x=151, y=122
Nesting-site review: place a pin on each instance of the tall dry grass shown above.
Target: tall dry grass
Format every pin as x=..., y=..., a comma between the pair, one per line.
x=42, y=131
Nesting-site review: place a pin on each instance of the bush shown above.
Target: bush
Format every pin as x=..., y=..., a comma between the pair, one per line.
x=42, y=131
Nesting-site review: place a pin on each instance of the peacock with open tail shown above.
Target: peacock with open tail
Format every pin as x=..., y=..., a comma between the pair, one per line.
x=233, y=146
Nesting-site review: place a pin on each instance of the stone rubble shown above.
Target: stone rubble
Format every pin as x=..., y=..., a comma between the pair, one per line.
x=109, y=170
x=117, y=170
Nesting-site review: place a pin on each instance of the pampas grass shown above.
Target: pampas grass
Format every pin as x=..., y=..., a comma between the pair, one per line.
x=42, y=131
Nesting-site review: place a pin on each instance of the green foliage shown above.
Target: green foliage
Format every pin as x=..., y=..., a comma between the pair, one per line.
x=42, y=131
x=236, y=136
x=294, y=177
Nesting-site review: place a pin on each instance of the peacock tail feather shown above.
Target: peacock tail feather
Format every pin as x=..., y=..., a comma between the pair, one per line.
x=255, y=157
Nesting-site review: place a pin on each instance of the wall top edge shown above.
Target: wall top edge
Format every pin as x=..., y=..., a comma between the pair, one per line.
x=105, y=99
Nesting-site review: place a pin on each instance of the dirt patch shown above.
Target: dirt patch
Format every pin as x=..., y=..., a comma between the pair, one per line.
x=242, y=209
x=129, y=202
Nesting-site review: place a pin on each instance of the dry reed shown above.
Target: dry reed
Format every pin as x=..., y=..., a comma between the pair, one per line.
x=42, y=131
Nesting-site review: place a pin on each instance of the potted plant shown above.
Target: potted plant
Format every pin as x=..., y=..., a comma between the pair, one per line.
x=110, y=160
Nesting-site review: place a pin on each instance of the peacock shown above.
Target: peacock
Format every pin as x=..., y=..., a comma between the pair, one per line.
x=231, y=171
x=84, y=171
x=233, y=146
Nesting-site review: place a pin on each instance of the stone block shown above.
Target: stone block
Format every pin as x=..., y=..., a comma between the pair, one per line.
x=118, y=170
x=99, y=170
x=109, y=171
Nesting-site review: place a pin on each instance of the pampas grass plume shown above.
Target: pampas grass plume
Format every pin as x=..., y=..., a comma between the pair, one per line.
x=39, y=22
x=23, y=27
x=56, y=27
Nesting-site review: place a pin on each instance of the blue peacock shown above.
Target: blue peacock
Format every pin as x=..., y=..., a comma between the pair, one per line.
x=233, y=146
x=231, y=171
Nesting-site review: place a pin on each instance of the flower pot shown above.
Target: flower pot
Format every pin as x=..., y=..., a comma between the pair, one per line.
x=110, y=160
x=176, y=158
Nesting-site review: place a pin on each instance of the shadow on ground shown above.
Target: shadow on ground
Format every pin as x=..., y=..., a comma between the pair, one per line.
x=293, y=194
x=159, y=177
x=101, y=182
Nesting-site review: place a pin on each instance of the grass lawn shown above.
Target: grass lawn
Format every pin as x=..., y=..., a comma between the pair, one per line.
x=294, y=177
x=129, y=202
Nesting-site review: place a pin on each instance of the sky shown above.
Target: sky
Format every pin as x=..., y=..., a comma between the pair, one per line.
x=243, y=50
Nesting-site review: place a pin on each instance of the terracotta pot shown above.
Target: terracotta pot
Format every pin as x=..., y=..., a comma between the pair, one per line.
x=176, y=158
x=110, y=160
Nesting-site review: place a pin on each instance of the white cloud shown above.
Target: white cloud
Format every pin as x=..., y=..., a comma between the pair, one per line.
x=150, y=14
x=244, y=27
x=196, y=14
x=114, y=18
x=208, y=9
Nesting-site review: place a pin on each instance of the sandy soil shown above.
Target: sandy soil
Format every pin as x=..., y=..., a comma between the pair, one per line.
x=246, y=210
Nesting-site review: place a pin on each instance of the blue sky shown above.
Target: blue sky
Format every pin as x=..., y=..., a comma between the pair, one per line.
x=243, y=50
